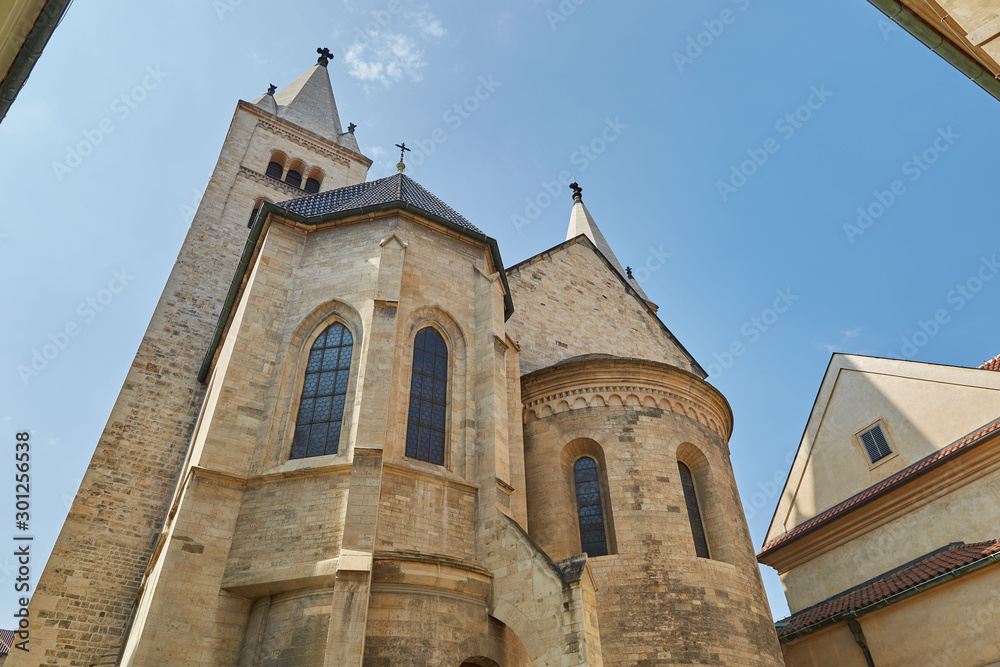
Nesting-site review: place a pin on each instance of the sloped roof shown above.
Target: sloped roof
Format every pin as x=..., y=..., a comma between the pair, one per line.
x=991, y=365
x=390, y=190
x=892, y=583
x=6, y=641
x=905, y=475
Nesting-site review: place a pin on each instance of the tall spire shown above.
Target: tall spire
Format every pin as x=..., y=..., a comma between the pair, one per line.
x=581, y=222
x=309, y=103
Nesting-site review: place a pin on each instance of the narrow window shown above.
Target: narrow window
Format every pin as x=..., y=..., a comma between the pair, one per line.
x=425, y=430
x=321, y=411
x=253, y=215
x=293, y=178
x=312, y=186
x=694, y=514
x=589, y=508
x=876, y=445
x=274, y=169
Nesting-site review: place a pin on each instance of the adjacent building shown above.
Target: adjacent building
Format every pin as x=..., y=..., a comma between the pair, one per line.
x=887, y=532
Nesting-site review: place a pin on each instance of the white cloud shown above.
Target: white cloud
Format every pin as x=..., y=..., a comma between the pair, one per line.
x=845, y=337
x=387, y=56
x=426, y=23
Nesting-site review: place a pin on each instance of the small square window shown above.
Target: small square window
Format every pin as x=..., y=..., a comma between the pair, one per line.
x=875, y=443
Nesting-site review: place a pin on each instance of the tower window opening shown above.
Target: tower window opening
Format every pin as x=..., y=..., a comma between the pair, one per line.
x=274, y=169
x=589, y=507
x=694, y=513
x=312, y=186
x=293, y=178
x=425, y=428
x=324, y=391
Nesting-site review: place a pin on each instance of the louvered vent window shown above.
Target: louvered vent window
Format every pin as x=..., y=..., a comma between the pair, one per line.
x=312, y=186
x=293, y=178
x=274, y=170
x=876, y=446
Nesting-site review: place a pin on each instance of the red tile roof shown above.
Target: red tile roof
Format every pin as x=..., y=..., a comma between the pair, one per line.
x=992, y=365
x=889, y=584
x=905, y=475
x=6, y=639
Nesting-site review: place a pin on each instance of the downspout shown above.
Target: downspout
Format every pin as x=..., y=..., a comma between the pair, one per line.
x=859, y=637
x=36, y=39
x=939, y=45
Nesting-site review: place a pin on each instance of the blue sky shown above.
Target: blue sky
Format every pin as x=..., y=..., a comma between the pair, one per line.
x=728, y=172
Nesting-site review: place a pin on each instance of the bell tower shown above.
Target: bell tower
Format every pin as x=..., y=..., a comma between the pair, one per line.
x=281, y=145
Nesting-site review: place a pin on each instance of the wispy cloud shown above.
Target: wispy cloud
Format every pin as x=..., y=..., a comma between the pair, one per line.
x=846, y=336
x=381, y=54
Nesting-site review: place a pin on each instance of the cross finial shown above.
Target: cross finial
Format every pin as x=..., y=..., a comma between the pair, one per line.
x=628, y=272
x=271, y=88
x=350, y=128
x=324, y=56
x=402, y=149
x=577, y=191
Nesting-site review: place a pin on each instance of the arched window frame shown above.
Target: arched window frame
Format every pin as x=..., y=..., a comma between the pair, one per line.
x=602, y=488
x=257, y=203
x=300, y=383
x=711, y=506
x=279, y=158
x=696, y=522
x=448, y=397
x=293, y=175
x=314, y=175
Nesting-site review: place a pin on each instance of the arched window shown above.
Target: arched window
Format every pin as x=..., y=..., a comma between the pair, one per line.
x=293, y=178
x=425, y=430
x=274, y=169
x=694, y=514
x=312, y=186
x=313, y=180
x=321, y=410
x=256, y=207
x=589, y=507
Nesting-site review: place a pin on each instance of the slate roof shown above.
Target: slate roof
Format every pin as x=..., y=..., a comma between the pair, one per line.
x=6, y=641
x=392, y=189
x=889, y=584
x=991, y=365
x=872, y=492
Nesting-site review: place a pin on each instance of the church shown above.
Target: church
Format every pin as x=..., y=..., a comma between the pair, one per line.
x=352, y=436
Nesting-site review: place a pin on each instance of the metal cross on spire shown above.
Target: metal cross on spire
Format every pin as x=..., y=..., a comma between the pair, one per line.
x=402, y=149
x=324, y=56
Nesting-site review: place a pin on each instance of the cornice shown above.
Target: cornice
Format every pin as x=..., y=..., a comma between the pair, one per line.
x=605, y=381
x=271, y=182
x=303, y=137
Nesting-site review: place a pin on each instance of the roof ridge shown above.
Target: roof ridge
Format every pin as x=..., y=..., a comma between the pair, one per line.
x=883, y=486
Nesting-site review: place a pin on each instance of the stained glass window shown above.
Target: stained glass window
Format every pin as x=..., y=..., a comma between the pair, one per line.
x=425, y=430
x=321, y=411
x=694, y=514
x=589, y=508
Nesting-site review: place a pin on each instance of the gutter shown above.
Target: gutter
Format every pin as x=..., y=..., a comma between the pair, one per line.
x=36, y=39
x=258, y=227
x=937, y=43
x=896, y=597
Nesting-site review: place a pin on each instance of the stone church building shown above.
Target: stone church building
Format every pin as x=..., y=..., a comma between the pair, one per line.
x=351, y=436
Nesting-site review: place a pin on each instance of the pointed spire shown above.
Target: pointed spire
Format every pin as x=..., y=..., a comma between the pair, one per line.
x=581, y=222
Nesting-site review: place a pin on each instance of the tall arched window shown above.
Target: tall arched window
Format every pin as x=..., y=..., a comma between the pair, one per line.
x=589, y=507
x=274, y=169
x=293, y=178
x=425, y=429
x=312, y=186
x=321, y=410
x=694, y=514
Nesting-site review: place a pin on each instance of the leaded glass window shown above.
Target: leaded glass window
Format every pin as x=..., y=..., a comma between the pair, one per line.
x=321, y=411
x=694, y=514
x=589, y=508
x=425, y=429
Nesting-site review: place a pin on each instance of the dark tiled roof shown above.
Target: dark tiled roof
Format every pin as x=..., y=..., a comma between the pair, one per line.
x=901, y=477
x=889, y=584
x=6, y=640
x=992, y=365
x=398, y=188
